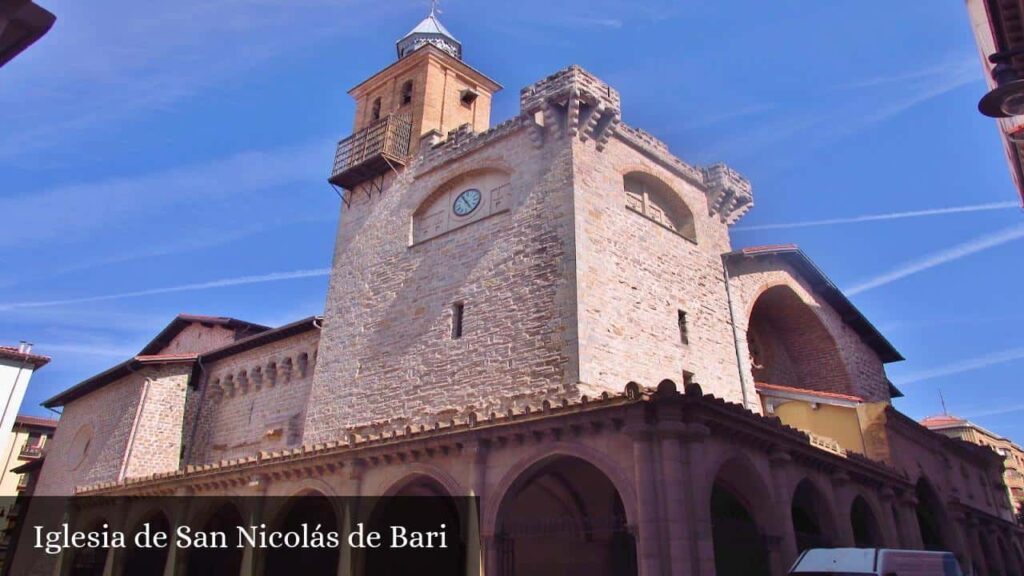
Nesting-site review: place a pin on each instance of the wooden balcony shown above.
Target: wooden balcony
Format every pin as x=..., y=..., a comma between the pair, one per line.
x=371, y=152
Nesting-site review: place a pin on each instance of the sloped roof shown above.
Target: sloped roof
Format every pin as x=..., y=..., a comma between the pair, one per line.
x=430, y=25
x=821, y=284
x=182, y=321
x=12, y=353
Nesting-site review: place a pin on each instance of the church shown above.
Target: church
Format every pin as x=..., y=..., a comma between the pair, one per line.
x=546, y=314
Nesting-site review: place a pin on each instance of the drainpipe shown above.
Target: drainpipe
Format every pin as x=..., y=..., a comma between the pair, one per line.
x=135, y=427
x=735, y=333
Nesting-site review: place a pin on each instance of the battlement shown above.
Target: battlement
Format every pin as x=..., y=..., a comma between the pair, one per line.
x=560, y=85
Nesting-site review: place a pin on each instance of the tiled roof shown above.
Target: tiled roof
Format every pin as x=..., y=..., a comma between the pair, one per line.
x=12, y=353
x=182, y=321
x=26, y=420
x=807, y=392
x=943, y=420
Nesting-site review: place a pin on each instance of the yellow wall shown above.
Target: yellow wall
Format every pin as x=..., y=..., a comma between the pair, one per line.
x=834, y=422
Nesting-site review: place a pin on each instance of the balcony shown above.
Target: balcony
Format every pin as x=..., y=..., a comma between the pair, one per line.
x=30, y=451
x=371, y=152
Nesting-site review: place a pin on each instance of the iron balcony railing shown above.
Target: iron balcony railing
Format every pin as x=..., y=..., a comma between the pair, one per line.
x=31, y=451
x=371, y=151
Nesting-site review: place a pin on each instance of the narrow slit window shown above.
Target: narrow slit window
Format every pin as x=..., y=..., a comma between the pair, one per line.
x=684, y=336
x=457, y=313
x=407, y=92
x=376, y=109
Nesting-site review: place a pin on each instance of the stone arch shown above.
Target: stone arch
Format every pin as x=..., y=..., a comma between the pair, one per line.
x=1010, y=567
x=867, y=530
x=216, y=561
x=652, y=197
x=563, y=515
x=932, y=518
x=609, y=468
x=89, y=561
x=790, y=345
x=739, y=512
x=139, y=560
x=418, y=503
x=396, y=482
x=812, y=519
x=311, y=507
x=435, y=214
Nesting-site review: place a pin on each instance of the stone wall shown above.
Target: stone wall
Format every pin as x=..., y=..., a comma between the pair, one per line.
x=387, y=350
x=252, y=401
x=97, y=436
x=635, y=276
x=196, y=338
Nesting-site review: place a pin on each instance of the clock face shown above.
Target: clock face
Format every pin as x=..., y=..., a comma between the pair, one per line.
x=466, y=202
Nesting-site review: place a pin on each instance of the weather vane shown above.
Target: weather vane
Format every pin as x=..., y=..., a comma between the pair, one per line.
x=433, y=7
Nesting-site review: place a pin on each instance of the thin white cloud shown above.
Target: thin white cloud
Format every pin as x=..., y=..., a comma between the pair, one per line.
x=887, y=216
x=939, y=258
x=967, y=365
x=222, y=283
x=115, y=351
x=73, y=211
x=994, y=411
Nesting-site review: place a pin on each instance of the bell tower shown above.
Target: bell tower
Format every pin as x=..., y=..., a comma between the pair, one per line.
x=428, y=90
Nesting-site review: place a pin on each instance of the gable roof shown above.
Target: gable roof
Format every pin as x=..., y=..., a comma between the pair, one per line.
x=182, y=321
x=824, y=287
x=260, y=338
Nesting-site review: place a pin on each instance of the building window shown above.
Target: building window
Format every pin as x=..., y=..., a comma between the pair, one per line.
x=376, y=109
x=684, y=336
x=458, y=310
x=406, y=92
x=655, y=200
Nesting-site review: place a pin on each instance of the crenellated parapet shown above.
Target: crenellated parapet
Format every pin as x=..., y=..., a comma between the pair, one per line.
x=574, y=103
x=729, y=193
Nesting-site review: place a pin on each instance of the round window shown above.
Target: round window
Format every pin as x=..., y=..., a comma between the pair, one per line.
x=79, y=446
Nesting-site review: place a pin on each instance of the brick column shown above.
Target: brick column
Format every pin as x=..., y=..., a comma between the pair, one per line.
x=910, y=532
x=890, y=532
x=252, y=563
x=353, y=489
x=977, y=552
x=675, y=507
x=995, y=562
x=841, y=501
x=698, y=495
x=115, y=556
x=648, y=549
x=477, y=453
x=784, y=551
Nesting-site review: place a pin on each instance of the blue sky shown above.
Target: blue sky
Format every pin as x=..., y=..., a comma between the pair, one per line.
x=171, y=157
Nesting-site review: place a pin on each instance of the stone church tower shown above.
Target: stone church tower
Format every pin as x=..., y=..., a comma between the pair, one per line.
x=546, y=315
x=556, y=256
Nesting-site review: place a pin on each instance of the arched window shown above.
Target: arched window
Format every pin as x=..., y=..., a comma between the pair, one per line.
x=655, y=200
x=406, y=92
x=461, y=201
x=376, y=109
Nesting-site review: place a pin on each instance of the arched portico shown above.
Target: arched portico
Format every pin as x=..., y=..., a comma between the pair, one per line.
x=89, y=561
x=932, y=517
x=739, y=513
x=563, y=516
x=812, y=523
x=416, y=504
x=311, y=508
x=867, y=530
x=218, y=561
x=151, y=559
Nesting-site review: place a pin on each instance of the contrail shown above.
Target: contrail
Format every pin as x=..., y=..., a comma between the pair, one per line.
x=943, y=256
x=888, y=216
x=222, y=283
x=966, y=365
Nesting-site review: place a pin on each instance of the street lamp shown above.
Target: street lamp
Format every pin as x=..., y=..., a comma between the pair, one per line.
x=1007, y=98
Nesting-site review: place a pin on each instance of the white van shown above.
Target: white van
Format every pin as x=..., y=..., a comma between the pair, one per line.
x=877, y=561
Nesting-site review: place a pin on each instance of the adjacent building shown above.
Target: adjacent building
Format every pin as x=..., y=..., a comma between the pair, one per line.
x=1013, y=455
x=998, y=30
x=22, y=22
x=549, y=315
